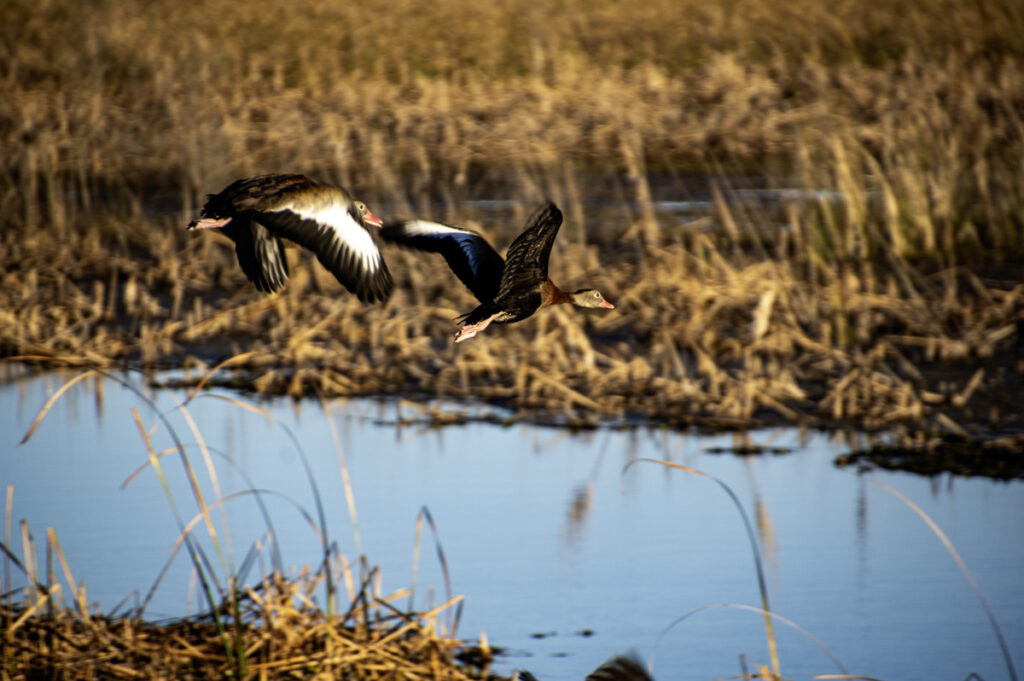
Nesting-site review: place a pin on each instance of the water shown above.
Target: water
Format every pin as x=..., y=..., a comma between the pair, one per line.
x=544, y=534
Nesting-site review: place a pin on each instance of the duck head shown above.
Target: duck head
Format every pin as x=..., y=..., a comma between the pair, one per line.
x=368, y=217
x=590, y=297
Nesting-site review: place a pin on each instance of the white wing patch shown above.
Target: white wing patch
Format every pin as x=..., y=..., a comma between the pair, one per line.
x=351, y=235
x=427, y=228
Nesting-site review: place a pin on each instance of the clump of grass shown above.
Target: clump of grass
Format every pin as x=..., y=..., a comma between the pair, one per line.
x=271, y=626
x=281, y=632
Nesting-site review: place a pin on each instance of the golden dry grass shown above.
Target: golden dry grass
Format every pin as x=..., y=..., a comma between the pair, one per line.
x=885, y=291
x=49, y=630
x=916, y=106
x=696, y=337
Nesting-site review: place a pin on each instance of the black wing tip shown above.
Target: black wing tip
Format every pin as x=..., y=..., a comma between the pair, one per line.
x=265, y=287
x=371, y=289
x=548, y=212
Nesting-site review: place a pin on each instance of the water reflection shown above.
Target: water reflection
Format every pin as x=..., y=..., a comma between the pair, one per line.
x=542, y=531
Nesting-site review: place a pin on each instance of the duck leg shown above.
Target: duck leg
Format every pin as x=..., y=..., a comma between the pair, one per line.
x=209, y=223
x=470, y=330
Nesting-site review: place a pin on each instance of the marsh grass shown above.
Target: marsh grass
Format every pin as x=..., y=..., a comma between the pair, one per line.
x=701, y=334
x=283, y=634
x=128, y=108
x=879, y=287
x=332, y=619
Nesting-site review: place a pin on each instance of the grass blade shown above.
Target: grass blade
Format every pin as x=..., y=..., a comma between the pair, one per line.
x=755, y=549
x=424, y=514
x=53, y=399
x=236, y=359
x=963, y=568
x=346, y=480
x=775, y=616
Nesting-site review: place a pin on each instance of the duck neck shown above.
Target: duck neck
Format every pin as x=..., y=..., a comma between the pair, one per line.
x=552, y=295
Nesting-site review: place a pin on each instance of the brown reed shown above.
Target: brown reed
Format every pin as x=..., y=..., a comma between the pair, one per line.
x=700, y=335
x=881, y=291
x=146, y=108
x=56, y=633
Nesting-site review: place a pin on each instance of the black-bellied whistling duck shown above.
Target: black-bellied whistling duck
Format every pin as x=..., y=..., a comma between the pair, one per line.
x=620, y=668
x=256, y=212
x=508, y=290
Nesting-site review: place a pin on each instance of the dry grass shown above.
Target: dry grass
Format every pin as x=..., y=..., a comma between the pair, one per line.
x=696, y=336
x=283, y=635
x=115, y=104
x=883, y=291
x=330, y=621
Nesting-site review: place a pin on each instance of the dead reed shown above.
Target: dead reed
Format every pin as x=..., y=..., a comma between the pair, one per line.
x=701, y=334
x=50, y=629
x=133, y=108
x=882, y=289
x=330, y=621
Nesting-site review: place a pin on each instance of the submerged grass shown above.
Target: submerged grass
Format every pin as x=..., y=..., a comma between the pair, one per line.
x=875, y=283
x=702, y=333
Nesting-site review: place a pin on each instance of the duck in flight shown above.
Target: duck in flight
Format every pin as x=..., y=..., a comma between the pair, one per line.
x=509, y=290
x=258, y=212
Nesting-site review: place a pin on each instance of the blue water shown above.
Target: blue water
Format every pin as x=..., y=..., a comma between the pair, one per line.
x=543, y=532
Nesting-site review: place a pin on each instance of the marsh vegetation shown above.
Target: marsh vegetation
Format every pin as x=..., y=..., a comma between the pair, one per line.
x=877, y=286
x=848, y=251
x=881, y=288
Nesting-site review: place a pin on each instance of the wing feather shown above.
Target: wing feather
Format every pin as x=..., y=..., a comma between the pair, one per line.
x=341, y=244
x=526, y=263
x=474, y=261
x=260, y=254
x=321, y=218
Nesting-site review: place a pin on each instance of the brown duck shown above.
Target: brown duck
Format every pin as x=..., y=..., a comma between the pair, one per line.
x=257, y=212
x=509, y=290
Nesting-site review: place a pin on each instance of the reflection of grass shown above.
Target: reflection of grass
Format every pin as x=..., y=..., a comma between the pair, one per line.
x=271, y=625
x=899, y=124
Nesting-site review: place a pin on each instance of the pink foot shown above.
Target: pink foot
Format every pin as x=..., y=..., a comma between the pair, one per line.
x=470, y=330
x=209, y=223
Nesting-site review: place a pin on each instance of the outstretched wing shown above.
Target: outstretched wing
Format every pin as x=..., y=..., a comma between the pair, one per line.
x=325, y=220
x=470, y=257
x=526, y=263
